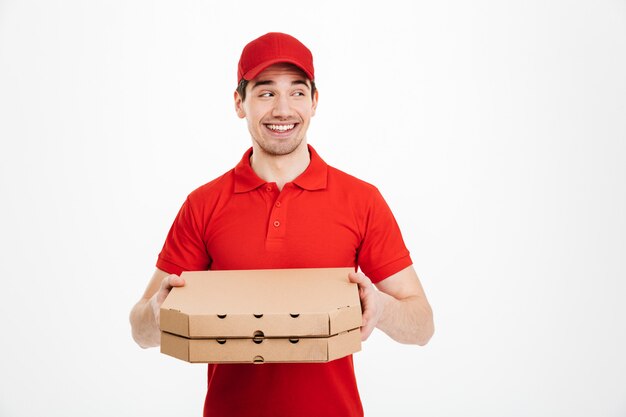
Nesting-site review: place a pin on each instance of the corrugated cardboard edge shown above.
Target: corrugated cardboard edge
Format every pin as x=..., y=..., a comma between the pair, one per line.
x=175, y=322
x=323, y=349
x=344, y=344
x=175, y=346
x=345, y=318
x=245, y=326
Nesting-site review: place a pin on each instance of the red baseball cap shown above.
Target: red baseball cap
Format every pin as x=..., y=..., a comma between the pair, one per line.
x=272, y=48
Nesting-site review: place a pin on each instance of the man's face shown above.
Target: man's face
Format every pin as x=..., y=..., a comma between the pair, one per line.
x=278, y=108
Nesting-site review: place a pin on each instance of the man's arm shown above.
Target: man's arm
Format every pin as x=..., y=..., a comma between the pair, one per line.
x=144, y=317
x=399, y=307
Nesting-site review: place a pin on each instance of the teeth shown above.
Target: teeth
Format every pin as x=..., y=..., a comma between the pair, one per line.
x=281, y=128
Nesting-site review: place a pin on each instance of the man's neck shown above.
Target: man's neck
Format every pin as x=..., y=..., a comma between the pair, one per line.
x=280, y=169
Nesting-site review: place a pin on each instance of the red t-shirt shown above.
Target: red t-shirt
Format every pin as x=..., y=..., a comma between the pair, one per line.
x=324, y=218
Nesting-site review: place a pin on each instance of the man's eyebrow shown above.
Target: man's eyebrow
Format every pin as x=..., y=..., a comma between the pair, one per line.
x=262, y=82
x=270, y=82
x=297, y=82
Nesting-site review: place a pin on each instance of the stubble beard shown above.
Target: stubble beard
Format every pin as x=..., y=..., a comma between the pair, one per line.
x=279, y=149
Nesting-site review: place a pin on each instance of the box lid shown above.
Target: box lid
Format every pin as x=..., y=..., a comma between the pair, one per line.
x=312, y=302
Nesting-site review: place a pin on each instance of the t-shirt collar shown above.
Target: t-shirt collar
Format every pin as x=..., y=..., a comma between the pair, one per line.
x=314, y=176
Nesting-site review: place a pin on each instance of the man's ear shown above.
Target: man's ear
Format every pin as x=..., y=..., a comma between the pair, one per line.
x=315, y=98
x=239, y=106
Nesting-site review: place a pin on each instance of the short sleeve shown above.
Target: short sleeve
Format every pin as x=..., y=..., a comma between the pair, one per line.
x=382, y=252
x=184, y=248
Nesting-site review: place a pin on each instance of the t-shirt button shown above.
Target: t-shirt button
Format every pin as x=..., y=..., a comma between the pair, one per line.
x=276, y=223
x=268, y=188
x=278, y=204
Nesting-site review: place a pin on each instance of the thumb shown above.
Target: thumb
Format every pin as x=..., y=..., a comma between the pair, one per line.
x=167, y=284
x=176, y=281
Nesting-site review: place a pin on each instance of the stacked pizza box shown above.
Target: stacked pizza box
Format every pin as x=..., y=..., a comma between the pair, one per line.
x=262, y=316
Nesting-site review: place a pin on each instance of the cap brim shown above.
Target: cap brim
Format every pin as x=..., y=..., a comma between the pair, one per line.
x=254, y=72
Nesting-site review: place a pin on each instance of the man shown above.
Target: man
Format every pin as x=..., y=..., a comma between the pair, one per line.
x=283, y=207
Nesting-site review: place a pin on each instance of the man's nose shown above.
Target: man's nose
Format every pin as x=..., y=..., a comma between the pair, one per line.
x=282, y=107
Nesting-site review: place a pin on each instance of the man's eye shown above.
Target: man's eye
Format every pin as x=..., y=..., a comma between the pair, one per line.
x=299, y=93
x=266, y=95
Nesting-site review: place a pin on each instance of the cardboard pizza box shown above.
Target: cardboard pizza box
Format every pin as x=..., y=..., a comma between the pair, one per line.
x=257, y=316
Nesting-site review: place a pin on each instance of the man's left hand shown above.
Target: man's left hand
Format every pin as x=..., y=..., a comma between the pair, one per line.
x=371, y=303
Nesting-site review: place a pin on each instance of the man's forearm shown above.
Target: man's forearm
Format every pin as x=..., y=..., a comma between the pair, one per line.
x=409, y=320
x=143, y=323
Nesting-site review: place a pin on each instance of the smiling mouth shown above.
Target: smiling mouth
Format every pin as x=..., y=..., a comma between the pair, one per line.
x=281, y=128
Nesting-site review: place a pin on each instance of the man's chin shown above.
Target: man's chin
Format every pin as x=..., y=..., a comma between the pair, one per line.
x=280, y=149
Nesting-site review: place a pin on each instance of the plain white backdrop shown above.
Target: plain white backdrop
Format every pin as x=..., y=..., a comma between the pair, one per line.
x=496, y=130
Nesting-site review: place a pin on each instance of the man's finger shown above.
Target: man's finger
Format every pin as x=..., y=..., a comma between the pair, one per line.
x=167, y=284
x=171, y=281
x=365, y=288
x=176, y=281
x=366, y=330
x=360, y=279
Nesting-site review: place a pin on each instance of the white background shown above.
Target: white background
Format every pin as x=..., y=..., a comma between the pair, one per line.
x=495, y=130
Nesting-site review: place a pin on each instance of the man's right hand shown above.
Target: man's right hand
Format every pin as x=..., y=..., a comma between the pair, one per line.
x=145, y=315
x=159, y=297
